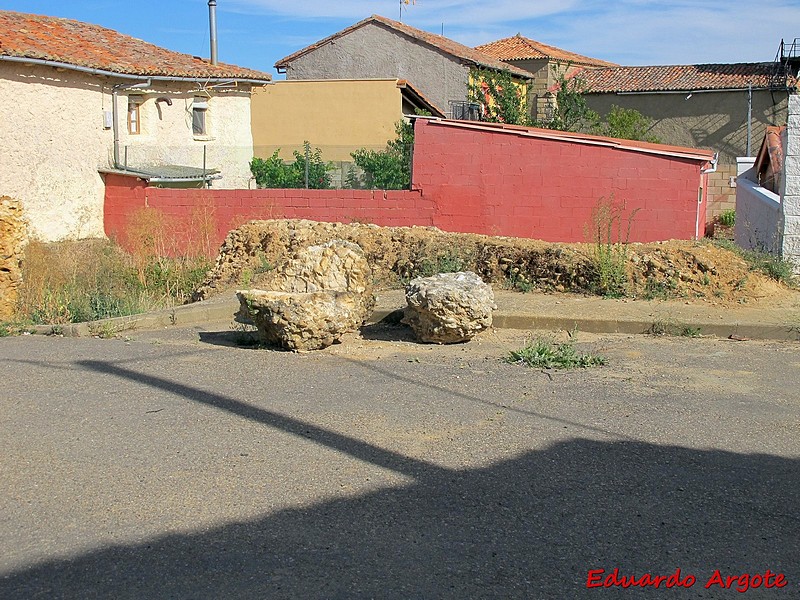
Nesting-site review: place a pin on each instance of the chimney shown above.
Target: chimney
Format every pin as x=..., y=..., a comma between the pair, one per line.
x=212, y=21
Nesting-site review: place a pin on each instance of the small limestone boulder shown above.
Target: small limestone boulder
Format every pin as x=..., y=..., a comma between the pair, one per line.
x=449, y=307
x=302, y=320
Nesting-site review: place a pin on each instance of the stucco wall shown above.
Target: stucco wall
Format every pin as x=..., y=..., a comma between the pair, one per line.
x=710, y=120
x=337, y=116
x=53, y=142
x=373, y=51
x=758, y=212
x=166, y=131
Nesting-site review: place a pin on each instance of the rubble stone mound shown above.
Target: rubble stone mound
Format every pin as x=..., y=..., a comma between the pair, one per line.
x=13, y=237
x=302, y=320
x=448, y=308
x=319, y=295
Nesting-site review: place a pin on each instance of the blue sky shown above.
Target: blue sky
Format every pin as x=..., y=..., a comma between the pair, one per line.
x=256, y=33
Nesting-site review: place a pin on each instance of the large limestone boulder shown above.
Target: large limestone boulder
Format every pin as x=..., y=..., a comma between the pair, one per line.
x=13, y=237
x=337, y=265
x=449, y=307
x=324, y=292
x=302, y=320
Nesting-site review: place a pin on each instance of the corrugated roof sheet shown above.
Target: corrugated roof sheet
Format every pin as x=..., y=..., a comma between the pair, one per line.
x=677, y=77
x=451, y=47
x=519, y=47
x=85, y=45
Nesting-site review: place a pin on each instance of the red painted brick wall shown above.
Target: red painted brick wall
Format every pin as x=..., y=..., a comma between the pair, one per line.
x=499, y=183
x=186, y=214
x=468, y=180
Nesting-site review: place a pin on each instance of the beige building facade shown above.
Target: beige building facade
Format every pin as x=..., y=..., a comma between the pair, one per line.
x=336, y=116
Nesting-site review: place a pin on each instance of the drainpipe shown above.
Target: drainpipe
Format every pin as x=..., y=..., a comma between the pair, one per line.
x=212, y=22
x=115, y=112
x=749, y=117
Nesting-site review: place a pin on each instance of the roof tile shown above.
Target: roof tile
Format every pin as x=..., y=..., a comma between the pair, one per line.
x=677, y=77
x=85, y=45
x=519, y=47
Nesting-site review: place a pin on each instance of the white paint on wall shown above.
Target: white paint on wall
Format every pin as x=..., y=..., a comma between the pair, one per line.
x=54, y=138
x=790, y=184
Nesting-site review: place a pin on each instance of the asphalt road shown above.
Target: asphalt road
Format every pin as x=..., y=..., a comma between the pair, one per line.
x=179, y=465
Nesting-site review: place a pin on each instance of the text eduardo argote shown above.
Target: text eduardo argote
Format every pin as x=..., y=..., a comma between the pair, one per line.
x=741, y=582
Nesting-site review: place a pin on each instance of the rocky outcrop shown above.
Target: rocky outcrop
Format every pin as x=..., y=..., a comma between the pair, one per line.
x=449, y=307
x=322, y=293
x=13, y=236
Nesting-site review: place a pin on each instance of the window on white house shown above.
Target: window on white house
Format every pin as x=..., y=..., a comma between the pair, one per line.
x=134, y=118
x=199, y=108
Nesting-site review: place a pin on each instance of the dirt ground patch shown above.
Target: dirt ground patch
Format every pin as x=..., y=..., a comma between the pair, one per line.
x=696, y=271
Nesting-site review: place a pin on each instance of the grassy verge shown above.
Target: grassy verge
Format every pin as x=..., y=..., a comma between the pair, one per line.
x=77, y=281
x=775, y=267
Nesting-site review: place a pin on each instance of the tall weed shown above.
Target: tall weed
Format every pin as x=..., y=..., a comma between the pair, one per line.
x=609, y=231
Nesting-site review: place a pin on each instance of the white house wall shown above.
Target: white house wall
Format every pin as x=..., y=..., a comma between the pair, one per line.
x=54, y=140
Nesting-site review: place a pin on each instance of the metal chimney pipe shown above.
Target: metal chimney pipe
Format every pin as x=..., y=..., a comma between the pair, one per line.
x=212, y=21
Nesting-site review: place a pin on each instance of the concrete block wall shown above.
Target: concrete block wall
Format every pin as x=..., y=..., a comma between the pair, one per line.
x=500, y=183
x=227, y=209
x=721, y=194
x=790, y=186
x=466, y=179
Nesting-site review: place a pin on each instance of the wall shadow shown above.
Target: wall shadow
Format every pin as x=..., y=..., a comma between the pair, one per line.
x=527, y=527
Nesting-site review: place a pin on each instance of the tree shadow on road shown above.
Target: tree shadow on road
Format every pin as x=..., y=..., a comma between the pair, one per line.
x=531, y=526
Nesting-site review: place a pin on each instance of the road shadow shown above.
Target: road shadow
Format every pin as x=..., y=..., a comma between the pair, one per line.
x=531, y=526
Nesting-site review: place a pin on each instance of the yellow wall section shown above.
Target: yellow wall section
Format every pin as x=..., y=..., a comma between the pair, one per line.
x=337, y=116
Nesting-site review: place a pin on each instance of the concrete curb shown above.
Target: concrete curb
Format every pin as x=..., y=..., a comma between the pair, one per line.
x=216, y=310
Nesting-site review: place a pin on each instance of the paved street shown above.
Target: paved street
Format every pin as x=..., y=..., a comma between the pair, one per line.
x=176, y=464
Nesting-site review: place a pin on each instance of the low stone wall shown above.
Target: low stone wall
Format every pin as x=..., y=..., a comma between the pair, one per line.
x=13, y=235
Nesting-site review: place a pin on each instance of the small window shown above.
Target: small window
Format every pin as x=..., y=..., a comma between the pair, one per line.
x=134, y=120
x=199, y=108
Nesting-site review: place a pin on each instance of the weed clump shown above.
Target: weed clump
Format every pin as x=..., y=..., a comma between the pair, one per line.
x=546, y=353
x=610, y=233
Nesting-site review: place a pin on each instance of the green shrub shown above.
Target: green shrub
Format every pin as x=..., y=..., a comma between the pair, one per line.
x=388, y=169
x=273, y=172
x=728, y=218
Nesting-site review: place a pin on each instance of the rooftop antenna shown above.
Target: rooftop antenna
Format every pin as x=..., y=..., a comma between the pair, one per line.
x=406, y=3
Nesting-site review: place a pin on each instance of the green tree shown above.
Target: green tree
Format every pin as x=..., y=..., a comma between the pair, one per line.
x=388, y=169
x=504, y=98
x=627, y=124
x=571, y=112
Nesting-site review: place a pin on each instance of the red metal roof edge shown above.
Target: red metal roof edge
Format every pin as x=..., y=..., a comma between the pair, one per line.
x=470, y=55
x=581, y=138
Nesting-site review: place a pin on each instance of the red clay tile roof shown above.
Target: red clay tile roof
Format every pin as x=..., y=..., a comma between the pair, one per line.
x=683, y=78
x=521, y=48
x=453, y=48
x=91, y=46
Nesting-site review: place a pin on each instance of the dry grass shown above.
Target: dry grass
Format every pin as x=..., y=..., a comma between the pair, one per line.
x=85, y=280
